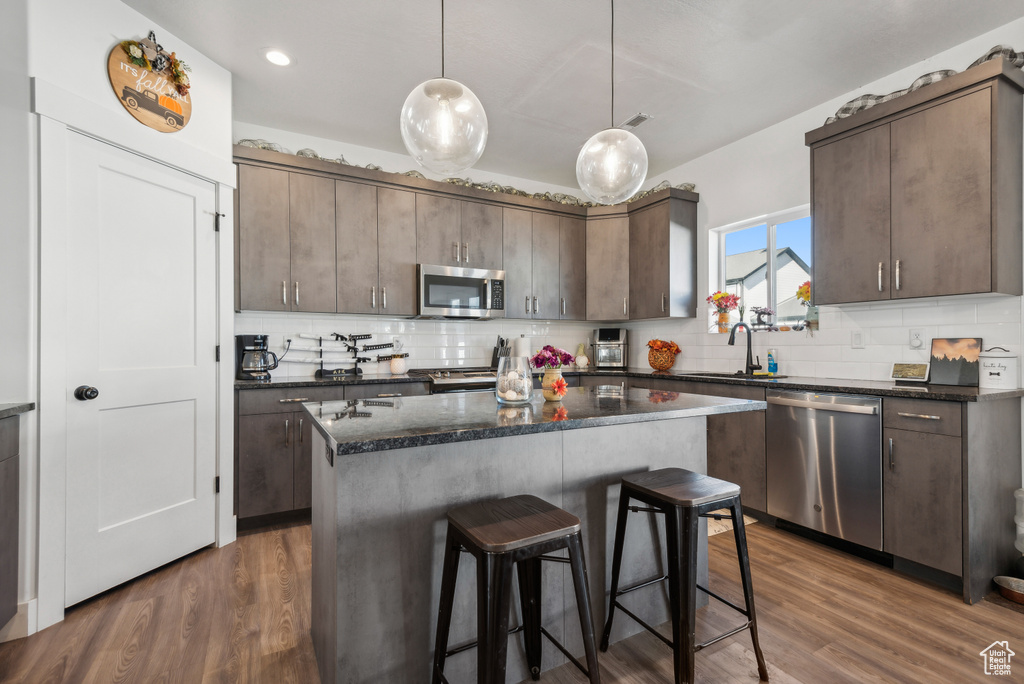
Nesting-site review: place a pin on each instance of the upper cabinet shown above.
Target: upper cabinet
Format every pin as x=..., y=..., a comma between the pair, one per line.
x=608, y=269
x=572, y=269
x=453, y=232
x=663, y=258
x=545, y=265
x=921, y=196
x=286, y=241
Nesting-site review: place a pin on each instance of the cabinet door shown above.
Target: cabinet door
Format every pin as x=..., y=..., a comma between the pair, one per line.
x=922, y=511
x=649, y=262
x=9, y=512
x=438, y=230
x=608, y=269
x=302, y=465
x=265, y=464
x=264, y=251
x=481, y=235
x=572, y=269
x=942, y=198
x=850, y=209
x=356, y=217
x=517, y=248
x=546, y=238
x=396, y=252
x=313, y=244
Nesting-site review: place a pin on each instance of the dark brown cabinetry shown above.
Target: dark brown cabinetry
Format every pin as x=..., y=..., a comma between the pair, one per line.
x=921, y=196
x=376, y=253
x=608, y=269
x=531, y=243
x=481, y=236
x=9, y=502
x=452, y=232
x=663, y=259
x=572, y=269
x=286, y=241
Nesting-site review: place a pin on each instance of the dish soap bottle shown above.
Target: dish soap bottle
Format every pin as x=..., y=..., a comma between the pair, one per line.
x=773, y=361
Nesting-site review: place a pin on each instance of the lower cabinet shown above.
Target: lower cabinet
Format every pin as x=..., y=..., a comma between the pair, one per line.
x=8, y=518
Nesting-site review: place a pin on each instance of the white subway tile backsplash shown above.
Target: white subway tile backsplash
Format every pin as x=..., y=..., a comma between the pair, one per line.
x=948, y=314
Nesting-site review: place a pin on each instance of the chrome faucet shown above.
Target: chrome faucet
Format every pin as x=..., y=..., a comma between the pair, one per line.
x=751, y=366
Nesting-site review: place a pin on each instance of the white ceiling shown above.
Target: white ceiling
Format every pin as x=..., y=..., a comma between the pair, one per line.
x=708, y=71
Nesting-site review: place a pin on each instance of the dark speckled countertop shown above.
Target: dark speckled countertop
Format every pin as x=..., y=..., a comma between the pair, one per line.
x=8, y=410
x=360, y=426
x=872, y=387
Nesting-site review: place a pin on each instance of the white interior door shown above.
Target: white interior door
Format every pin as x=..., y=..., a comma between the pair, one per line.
x=141, y=329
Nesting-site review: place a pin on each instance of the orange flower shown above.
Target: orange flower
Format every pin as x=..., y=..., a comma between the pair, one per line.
x=660, y=345
x=561, y=414
x=560, y=386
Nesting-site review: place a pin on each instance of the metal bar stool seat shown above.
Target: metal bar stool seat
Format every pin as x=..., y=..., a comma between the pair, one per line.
x=518, y=530
x=684, y=497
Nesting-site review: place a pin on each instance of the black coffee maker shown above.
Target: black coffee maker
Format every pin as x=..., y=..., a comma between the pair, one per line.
x=253, y=359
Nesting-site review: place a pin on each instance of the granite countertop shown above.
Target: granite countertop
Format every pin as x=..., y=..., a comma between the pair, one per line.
x=8, y=410
x=871, y=387
x=359, y=426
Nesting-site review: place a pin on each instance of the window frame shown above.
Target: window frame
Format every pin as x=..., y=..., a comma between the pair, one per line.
x=770, y=221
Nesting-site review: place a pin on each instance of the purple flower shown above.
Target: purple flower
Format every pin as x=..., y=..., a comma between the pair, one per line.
x=550, y=357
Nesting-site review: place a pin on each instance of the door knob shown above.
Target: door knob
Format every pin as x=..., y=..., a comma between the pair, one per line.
x=85, y=393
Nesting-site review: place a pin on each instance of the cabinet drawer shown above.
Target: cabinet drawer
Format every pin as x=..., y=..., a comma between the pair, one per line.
x=257, y=401
x=922, y=415
x=385, y=390
x=9, y=437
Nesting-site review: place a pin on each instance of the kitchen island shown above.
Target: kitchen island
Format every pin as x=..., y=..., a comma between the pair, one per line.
x=385, y=472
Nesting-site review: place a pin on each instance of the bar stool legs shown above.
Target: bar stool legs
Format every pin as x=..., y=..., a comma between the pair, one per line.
x=740, y=535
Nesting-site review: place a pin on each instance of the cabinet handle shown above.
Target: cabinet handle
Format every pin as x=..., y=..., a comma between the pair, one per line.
x=624, y=305
x=300, y=430
x=465, y=258
x=373, y=297
x=897, y=274
x=527, y=303
x=384, y=297
x=662, y=302
x=284, y=292
x=879, y=276
x=892, y=462
x=292, y=401
x=296, y=293
x=563, y=306
x=922, y=416
x=536, y=309
x=458, y=257
x=287, y=434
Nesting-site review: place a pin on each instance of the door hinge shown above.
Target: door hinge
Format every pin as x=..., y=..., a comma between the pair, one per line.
x=216, y=222
x=216, y=485
x=218, y=353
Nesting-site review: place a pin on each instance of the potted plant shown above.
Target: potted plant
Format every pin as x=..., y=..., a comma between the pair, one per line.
x=551, y=359
x=723, y=303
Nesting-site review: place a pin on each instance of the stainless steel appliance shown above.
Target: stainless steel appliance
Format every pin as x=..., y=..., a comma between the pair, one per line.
x=444, y=380
x=610, y=348
x=252, y=358
x=824, y=454
x=452, y=292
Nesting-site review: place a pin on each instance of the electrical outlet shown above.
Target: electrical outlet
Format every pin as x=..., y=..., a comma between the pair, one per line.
x=857, y=339
x=916, y=338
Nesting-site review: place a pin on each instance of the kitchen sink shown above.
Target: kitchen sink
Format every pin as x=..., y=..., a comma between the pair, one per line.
x=737, y=374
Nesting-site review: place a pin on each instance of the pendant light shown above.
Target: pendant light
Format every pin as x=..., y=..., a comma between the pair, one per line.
x=443, y=124
x=613, y=164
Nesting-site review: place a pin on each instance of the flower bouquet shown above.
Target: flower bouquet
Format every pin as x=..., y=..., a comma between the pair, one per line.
x=723, y=303
x=551, y=359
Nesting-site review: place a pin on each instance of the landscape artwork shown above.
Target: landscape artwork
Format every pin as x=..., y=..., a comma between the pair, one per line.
x=955, y=361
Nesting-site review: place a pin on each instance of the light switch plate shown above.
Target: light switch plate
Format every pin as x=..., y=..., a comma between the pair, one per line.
x=857, y=339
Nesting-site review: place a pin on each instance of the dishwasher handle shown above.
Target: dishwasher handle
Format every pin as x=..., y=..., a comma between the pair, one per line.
x=824, y=406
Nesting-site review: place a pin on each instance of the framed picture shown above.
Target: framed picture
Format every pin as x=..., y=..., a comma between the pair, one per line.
x=955, y=361
x=910, y=372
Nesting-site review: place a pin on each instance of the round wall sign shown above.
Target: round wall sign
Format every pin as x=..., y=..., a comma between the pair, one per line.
x=152, y=98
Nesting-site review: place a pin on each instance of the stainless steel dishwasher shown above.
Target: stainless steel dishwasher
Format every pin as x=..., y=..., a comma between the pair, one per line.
x=824, y=464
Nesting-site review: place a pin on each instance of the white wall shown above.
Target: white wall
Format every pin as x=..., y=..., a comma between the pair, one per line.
x=768, y=172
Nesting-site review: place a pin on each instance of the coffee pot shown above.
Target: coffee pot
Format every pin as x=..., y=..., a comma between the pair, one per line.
x=253, y=360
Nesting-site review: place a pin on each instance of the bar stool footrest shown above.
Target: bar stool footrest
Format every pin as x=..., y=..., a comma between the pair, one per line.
x=724, y=635
x=741, y=611
x=644, y=624
x=641, y=585
x=472, y=644
x=561, y=648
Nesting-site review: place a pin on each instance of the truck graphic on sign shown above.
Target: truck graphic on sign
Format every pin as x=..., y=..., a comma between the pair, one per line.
x=165, y=107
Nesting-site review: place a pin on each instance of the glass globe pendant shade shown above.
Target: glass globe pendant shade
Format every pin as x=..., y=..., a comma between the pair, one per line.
x=612, y=166
x=444, y=126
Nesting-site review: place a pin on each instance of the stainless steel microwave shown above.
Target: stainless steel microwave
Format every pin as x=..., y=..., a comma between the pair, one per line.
x=452, y=292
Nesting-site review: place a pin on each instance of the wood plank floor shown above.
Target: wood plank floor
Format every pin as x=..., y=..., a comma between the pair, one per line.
x=241, y=614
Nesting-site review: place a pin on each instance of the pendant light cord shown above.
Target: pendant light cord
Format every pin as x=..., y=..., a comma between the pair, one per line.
x=613, y=64
x=442, y=38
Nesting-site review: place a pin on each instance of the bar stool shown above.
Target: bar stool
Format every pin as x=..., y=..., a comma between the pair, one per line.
x=499, y=533
x=683, y=497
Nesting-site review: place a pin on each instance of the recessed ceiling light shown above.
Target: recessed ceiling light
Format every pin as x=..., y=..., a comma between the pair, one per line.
x=277, y=57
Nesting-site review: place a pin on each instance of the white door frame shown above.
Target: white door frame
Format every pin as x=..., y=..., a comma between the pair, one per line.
x=59, y=113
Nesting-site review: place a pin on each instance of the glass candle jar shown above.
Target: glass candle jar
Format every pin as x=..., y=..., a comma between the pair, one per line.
x=514, y=385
